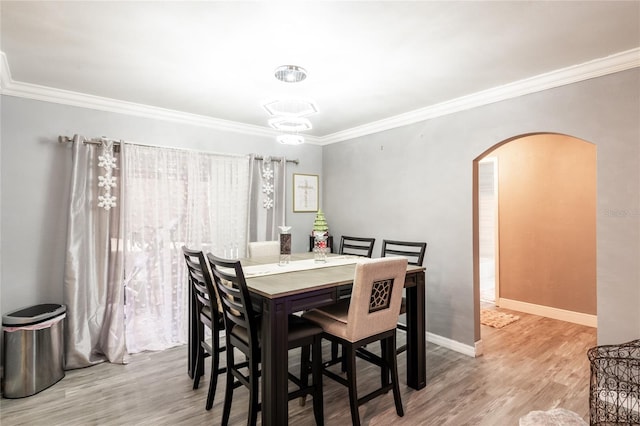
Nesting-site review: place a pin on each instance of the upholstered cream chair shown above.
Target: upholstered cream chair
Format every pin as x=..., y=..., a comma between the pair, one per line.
x=370, y=315
x=264, y=248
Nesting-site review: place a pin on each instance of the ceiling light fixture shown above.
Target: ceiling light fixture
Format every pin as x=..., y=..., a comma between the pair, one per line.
x=290, y=124
x=290, y=73
x=290, y=139
x=290, y=107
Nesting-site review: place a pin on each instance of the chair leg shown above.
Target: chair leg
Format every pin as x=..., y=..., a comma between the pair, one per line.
x=198, y=371
x=304, y=372
x=384, y=369
x=351, y=380
x=316, y=368
x=199, y=367
x=393, y=363
x=228, y=393
x=334, y=351
x=213, y=381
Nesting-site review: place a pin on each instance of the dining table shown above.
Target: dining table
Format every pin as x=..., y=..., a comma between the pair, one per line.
x=303, y=284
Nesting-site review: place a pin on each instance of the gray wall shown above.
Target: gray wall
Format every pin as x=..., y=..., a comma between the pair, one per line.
x=35, y=173
x=415, y=183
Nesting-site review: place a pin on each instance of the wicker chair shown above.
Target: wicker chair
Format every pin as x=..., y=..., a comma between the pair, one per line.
x=614, y=393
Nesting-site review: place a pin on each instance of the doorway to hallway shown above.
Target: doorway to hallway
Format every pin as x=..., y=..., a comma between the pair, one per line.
x=488, y=228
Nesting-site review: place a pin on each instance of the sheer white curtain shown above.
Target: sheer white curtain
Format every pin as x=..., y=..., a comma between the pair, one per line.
x=173, y=198
x=267, y=202
x=93, y=268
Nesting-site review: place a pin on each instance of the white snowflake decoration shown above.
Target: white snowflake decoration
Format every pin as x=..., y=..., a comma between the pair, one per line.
x=267, y=173
x=267, y=185
x=267, y=188
x=106, y=201
x=109, y=181
x=108, y=162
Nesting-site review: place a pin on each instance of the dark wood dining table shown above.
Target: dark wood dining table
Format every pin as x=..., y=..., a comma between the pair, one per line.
x=284, y=293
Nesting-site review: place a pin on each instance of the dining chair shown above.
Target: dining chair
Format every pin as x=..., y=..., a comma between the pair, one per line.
x=242, y=324
x=370, y=315
x=264, y=248
x=358, y=246
x=206, y=308
x=414, y=252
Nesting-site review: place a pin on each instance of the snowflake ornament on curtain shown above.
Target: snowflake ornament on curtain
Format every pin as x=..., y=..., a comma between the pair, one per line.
x=267, y=183
x=108, y=162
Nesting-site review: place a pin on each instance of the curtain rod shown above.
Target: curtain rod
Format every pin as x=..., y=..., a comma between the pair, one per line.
x=98, y=141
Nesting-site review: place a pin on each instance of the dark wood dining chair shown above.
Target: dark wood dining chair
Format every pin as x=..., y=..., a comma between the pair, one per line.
x=206, y=308
x=242, y=324
x=414, y=251
x=369, y=316
x=358, y=246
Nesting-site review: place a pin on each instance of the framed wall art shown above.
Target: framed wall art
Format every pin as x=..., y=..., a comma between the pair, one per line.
x=305, y=193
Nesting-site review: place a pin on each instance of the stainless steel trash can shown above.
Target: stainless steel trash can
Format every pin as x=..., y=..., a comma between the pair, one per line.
x=33, y=349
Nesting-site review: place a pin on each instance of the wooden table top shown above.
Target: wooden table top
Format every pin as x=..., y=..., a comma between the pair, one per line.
x=296, y=282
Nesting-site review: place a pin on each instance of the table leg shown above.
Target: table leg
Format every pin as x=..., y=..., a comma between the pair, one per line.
x=274, y=363
x=416, y=339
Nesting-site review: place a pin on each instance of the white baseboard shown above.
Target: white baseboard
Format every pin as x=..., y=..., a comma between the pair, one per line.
x=549, y=312
x=452, y=344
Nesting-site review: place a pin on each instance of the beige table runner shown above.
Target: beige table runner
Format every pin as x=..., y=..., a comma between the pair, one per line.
x=297, y=265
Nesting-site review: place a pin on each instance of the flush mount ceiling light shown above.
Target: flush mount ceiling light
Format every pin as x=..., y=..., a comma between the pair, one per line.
x=289, y=139
x=290, y=73
x=290, y=124
x=290, y=107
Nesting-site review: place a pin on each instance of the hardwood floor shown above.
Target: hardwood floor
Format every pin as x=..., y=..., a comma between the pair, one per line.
x=533, y=364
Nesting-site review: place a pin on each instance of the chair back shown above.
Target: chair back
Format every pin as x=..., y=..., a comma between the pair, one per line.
x=358, y=246
x=230, y=282
x=205, y=297
x=376, y=297
x=264, y=248
x=413, y=251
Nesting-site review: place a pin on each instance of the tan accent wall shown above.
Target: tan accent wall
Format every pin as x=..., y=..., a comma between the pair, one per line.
x=547, y=222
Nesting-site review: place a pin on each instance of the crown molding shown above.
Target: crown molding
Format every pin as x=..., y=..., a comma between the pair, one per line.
x=10, y=87
x=573, y=74
x=599, y=67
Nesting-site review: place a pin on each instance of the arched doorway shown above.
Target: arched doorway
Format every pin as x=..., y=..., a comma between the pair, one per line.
x=545, y=236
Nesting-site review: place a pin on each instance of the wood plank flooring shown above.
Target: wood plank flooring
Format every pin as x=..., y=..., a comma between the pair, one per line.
x=535, y=363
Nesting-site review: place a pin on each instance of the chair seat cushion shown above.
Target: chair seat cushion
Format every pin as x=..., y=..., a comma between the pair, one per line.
x=332, y=318
x=338, y=311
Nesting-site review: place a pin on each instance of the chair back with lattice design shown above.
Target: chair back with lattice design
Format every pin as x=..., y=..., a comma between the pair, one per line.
x=376, y=297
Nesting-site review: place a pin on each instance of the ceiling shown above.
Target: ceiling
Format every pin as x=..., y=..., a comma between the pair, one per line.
x=366, y=61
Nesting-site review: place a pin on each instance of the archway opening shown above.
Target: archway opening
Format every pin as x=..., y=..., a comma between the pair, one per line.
x=544, y=227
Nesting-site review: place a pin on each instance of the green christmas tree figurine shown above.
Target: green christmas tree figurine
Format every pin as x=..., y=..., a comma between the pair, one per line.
x=320, y=224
